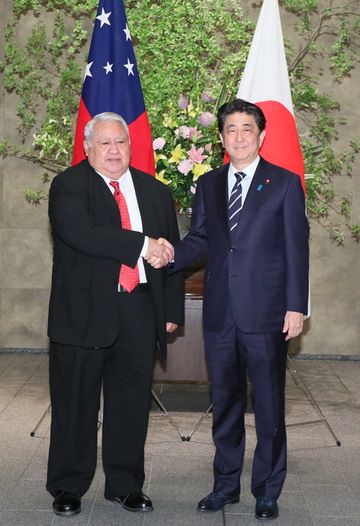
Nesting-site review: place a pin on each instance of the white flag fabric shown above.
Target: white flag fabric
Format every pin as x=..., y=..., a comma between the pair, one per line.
x=265, y=82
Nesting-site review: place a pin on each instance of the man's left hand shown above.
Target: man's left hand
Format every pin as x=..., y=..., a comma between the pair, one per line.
x=293, y=324
x=171, y=327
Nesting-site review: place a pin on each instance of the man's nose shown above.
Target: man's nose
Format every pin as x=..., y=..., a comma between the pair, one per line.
x=239, y=135
x=114, y=147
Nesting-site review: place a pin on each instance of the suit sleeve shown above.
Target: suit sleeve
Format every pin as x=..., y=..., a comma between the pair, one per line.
x=194, y=246
x=72, y=223
x=296, y=229
x=174, y=283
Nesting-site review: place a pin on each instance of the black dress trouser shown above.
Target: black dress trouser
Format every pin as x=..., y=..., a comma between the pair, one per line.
x=76, y=376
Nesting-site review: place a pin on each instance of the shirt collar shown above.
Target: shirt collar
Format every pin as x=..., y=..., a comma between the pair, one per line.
x=123, y=180
x=249, y=170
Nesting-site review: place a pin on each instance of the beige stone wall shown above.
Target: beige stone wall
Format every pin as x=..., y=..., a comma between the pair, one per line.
x=25, y=251
x=25, y=247
x=334, y=326
x=25, y=260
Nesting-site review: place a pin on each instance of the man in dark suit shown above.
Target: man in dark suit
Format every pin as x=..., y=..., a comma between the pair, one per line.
x=109, y=310
x=249, y=220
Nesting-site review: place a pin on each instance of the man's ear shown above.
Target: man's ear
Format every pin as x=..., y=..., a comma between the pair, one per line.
x=262, y=137
x=86, y=147
x=221, y=139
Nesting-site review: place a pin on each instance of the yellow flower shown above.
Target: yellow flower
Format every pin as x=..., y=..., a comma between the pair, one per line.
x=177, y=155
x=160, y=177
x=159, y=157
x=169, y=122
x=191, y=110
x=200, y=169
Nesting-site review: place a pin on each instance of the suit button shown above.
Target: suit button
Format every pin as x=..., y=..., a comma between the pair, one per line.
x=232, y=249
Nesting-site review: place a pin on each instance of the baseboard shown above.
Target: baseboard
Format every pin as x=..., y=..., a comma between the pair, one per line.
x=328, y=357
x=295, y=356
x=23, y=350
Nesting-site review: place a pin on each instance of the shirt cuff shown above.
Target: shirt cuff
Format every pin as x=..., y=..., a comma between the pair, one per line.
x=145, y=247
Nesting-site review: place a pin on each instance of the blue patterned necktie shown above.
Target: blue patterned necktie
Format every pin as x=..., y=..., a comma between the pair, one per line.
x=235, y=203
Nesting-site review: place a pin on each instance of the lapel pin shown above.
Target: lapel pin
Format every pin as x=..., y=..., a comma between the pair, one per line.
x=259, y=188
x=267, y=181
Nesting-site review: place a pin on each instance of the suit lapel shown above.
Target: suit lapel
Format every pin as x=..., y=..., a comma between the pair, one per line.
x=221, y=195
x=105, y=193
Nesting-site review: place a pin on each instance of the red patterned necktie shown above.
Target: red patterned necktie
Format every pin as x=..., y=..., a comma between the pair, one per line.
x=129, y=277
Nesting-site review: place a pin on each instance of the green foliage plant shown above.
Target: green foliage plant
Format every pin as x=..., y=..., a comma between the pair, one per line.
x=191, y=47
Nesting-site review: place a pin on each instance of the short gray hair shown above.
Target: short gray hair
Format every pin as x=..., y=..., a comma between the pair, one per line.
x=105, y=116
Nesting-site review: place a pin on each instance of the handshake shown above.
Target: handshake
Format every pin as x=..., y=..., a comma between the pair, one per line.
x=159, y=252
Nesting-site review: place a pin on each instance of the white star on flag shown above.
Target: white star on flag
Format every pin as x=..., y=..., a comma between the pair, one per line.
x=104, y=17
x=127, y=33
x=129, y=67
x=108, y=68
x=87, y=70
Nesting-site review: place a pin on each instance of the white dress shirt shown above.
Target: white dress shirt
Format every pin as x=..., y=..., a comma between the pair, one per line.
x=127, y=189
x=246, y=182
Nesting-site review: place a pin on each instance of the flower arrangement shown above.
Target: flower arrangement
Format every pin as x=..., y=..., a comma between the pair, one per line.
x=188, y=147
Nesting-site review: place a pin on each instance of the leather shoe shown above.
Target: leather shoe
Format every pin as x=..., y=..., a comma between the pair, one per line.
x=215, y=501
x=266, y=508
x=66, y=504
x=135, y=502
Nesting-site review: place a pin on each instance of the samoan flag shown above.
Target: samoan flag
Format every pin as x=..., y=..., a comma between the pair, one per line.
x=112, y=83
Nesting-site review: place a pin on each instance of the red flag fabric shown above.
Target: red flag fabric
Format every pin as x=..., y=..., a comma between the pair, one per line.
x=112, y=83
x=265, y=82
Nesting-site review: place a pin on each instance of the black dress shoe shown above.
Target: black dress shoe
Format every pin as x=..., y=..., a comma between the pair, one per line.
x=215, y=501
x=135, y=502
x=266, y=508
x=66, y=504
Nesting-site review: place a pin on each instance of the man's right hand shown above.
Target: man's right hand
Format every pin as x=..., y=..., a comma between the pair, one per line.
x=159, y=253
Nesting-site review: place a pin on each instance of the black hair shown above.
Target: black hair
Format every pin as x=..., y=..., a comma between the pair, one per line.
x=240, y=106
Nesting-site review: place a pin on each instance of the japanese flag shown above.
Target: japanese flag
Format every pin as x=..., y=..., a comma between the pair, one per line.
x=265, y=82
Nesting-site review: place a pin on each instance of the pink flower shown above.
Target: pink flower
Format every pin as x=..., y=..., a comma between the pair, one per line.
x=158, y=144
x=208, y=147
x=195, y=134
x=183, y=102
x=183, y=131
x=206, y=119
x=196, y=155
x=185, y=166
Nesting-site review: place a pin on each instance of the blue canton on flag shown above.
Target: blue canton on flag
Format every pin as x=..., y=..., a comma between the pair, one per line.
x=111, y=77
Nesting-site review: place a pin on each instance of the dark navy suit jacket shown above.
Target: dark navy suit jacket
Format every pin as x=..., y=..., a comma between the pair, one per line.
x=263, y=272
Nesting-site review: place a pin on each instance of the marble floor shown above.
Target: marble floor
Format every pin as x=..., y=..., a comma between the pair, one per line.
x=322, y=487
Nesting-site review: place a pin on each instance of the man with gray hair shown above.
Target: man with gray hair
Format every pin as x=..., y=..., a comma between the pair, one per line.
x=109, y=310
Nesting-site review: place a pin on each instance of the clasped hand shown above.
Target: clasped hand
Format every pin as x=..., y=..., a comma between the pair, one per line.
x=159, y=253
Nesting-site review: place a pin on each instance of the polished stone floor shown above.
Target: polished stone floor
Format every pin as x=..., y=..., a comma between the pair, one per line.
x=322, y=487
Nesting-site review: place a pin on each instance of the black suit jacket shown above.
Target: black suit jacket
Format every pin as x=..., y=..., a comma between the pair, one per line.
x=263, y=271
x=90, y=246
